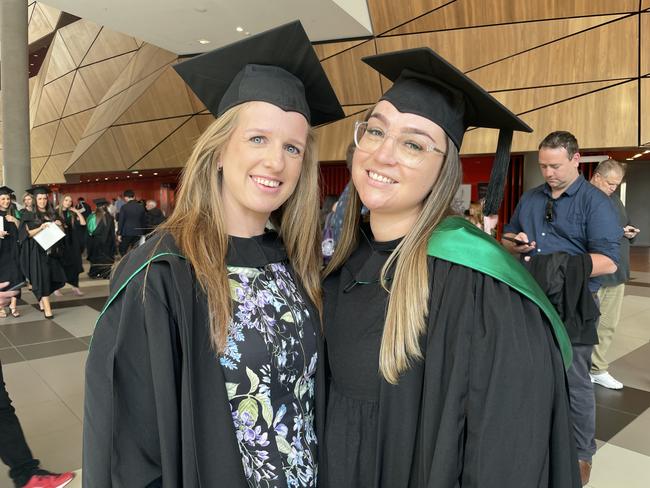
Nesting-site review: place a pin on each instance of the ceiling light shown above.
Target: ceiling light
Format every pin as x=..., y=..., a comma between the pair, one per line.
x=35, y=55
x=204, y=41
x=155, y=174
x=105, y=179
x=96, y=179
x=646, y=151
x=140, y=174
x=128, y=176
x=247, y=33
x=135, y=172
x=31, y=64
x=239, y=29
x=630, y=159
x=637, y=155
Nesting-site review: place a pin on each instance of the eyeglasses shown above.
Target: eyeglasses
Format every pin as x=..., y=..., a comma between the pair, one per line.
x=549, y=210
x=409, y=149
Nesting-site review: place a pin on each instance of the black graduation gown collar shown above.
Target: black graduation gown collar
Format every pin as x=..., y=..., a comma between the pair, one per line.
x=256, y=251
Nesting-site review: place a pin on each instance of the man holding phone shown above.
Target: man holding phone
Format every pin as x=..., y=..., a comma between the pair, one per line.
x=568, y=215
x=607, y=177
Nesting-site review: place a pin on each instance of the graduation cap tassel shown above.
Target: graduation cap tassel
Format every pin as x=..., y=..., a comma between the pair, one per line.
x=499, y=173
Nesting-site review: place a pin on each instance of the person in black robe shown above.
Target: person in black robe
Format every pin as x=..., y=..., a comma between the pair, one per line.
x=9, y=252
x=202, y=369
x=445, y=359
x=101, y=241
x=72, y=219
x=44, y=270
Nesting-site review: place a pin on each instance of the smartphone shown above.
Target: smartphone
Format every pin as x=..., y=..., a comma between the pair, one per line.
x=516, y=241
x=18, y=286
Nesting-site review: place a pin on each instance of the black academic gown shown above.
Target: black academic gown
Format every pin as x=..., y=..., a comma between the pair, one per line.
x=71, y=253
x=488, y=405
x=156, y=408
x=9, y=254
x=101, y=248
x=42, y=268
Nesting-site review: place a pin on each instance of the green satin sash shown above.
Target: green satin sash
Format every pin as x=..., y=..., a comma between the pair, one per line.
x=458, y=241
x=91, y=224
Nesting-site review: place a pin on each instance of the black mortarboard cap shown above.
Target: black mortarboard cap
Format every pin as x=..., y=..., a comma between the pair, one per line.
x=38, y=190
x=427, y=85
x=100, y=201
x=5, y=190
x=278, y=66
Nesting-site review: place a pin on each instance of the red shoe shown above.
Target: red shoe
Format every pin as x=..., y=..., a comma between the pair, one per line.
x=51, y=480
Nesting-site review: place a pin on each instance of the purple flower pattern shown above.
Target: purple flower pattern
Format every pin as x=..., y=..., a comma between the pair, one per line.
x=270, y=365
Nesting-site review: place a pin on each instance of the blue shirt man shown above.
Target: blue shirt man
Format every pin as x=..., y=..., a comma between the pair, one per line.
x=567, y=214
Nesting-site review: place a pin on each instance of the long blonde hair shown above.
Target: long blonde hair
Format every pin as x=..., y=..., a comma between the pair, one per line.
x=409, y=294
x=199, y=205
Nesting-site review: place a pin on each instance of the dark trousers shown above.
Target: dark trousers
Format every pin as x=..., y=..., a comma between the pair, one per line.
x=582, y=401
x=14, y=451
x=127, y=242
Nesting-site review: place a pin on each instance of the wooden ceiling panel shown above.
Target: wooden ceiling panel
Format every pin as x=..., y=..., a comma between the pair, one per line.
x=355, y=109
x=334, y=138
x=42, y=139
x=135, y=140
x=388, y=14
x=645, y=5
x=64, y=143
x=329, y=49
x=76, y=124
x=645, y=109
x=147, y=60
x=166, y=97
x=37, y=90
x=99, y=77
x=78, y=37
x=471, y=48
x=645, y=43
x=37, y=166
x=103, y=155
x=108, y=44
x=80, y=98
x=53, y=169
x=173, y=151
x=52, y=14
x=599, y=54
x=61, y=61
x=53, y=98
x=204, y=121
x=519, y=101
x=84, y=144
x=39, y=25
x=608, y=115
x=354, y=82
x=472, y=13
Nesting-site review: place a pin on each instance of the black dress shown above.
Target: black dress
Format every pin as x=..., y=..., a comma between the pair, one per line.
x=44, y=270
x=162, y=409
x=71, y=253
x=101, y=248
x=487, y=407
x=9, y=254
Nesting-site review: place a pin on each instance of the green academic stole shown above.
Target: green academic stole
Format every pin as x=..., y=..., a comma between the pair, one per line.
x=458, y=241
x=91, y=224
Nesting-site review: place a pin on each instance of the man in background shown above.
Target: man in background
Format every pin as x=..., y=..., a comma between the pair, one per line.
x=607, y=177
x=131, y=224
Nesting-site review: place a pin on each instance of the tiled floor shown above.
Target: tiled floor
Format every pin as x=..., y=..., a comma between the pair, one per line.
x=43, y=363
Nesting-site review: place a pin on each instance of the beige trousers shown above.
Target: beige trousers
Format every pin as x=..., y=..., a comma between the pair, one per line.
x=611, y=301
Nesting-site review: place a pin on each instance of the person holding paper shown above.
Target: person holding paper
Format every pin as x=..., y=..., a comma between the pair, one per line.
x=44, y=272
x=9, y=267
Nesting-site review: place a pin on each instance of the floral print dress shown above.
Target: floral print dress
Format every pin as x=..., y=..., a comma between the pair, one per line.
x=269, y=365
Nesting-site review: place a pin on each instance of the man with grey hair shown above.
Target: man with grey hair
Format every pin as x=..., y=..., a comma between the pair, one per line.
x=607, y=177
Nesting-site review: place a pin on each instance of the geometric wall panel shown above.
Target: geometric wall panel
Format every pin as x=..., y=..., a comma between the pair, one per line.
x=80, y=98
x=76, y=124
x=645, y=111
x=100, y=76
x=64, y=143
x=37, y=166
x=107, y=44
x=348, y=66
x=468, y=13
x=645, y=43
x=607, y=115
x=52, y=171
x=355, y=109
x=78, y=38
x=42, y=139
x=53, y=98
x=598, y=54
x=387, y=14
x=471, y=48
x=326, y=50
x=61, y=61
x=42, y=21
x=334, y=138
x=645, y=4
x=135, y=140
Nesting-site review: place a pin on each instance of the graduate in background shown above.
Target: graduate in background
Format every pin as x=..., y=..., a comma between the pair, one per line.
x=72, y=219
x=9, y=252
x=442, y=350
x=44, y=270
x=101, y=241
x=212, y=331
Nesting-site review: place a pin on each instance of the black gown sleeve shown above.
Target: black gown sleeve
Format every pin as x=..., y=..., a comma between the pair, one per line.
x=130, y=394
x=502, y=401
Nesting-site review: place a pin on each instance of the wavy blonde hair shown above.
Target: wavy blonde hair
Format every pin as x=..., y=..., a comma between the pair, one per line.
x=408, y=303
x=199, y=205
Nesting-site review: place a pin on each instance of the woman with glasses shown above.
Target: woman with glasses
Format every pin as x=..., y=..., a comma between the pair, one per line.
x=202, y=369
x=446, y=360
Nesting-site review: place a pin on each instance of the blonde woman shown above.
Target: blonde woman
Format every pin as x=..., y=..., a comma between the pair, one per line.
x=443, y=354
x=202, y=369
x=72, y=219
